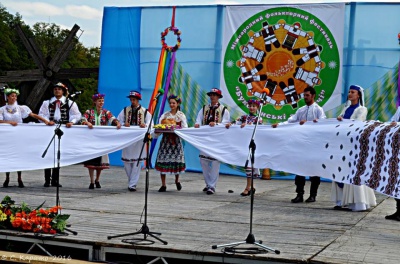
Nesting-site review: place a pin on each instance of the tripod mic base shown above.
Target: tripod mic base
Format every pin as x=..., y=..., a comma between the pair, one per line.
x=230, y=247
x=146, y=232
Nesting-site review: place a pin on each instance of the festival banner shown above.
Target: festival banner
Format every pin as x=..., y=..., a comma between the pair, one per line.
x=282, y=50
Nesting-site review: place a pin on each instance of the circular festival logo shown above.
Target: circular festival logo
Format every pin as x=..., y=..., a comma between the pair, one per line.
x=283, y=50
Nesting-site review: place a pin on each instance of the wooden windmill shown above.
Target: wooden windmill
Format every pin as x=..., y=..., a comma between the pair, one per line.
x=48, y=71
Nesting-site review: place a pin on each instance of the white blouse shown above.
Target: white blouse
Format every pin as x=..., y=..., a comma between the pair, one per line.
x=14, y=112
x=178, y=117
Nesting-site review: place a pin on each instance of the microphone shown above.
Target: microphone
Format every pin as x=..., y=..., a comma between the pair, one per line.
x=160, y=92
x=75, y=94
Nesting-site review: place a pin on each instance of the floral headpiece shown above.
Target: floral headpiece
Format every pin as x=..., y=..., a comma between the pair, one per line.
x=8, y=91
x=98, y=96
x=252, y=101
x=62, y=86
x=176, y=98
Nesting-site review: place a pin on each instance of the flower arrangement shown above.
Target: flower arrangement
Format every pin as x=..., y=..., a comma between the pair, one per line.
x=23, y=218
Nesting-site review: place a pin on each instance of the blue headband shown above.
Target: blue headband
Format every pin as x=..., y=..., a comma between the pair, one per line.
x=355, y=87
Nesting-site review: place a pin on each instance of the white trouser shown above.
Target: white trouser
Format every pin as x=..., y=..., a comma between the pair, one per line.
x=133, y=172
x=210, y=171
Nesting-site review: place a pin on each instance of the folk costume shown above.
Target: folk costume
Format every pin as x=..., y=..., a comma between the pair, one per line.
x=353, y=197
x=104, y=118
x=61, y=111
x=130, y=155
x=250, y=119
x=16, y=113
x=308, y=113
x=219, y=114
x=170, y=156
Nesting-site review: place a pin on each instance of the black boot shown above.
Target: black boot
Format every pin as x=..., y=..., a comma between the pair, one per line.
x=300, y=181
x=47, y=177
x=396, y=215
x=311, y=199
x=297, y=199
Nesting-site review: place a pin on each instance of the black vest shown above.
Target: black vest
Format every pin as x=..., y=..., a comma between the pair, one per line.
x=64, y=109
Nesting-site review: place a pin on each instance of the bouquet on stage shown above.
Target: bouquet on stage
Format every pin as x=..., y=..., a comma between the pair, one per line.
x=38, y=220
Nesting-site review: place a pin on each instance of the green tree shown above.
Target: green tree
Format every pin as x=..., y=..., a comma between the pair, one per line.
x=49, y=38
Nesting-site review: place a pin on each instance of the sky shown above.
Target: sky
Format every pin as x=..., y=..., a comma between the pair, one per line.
x=88, y=13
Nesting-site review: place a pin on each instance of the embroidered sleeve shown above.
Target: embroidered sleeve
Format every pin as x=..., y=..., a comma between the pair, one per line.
x=109, y=116
x=183, y=119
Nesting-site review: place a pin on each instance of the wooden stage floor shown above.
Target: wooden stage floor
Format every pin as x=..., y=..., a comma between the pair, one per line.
x=191, y=221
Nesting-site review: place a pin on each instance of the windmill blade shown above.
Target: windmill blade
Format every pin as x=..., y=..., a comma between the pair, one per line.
x=21, y=76
x=64, y=50
x=37, y=92
x=76, y=73
x=32, y=48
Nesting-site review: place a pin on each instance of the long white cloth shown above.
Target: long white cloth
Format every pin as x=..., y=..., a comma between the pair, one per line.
x=349, y=151
x=22, y=146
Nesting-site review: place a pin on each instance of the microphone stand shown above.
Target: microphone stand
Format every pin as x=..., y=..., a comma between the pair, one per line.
x=59, y=133
x=144, y=229
x=230, y=247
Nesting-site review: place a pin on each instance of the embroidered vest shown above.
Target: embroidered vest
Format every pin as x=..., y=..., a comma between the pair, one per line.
x=135, y=120
x=64, y=110
x=217, y=118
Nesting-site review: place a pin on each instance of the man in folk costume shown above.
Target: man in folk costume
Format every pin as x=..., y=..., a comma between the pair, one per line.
x=212, y=115
x=58, y=110
x=310, y=112
x=134, y=115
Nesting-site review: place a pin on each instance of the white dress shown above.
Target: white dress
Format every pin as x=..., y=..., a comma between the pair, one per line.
x=354, y=197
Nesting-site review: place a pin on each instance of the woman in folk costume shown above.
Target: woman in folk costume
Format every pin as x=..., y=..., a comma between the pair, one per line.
x=170, y=157
x=250, y=119
x=348, y=196
x=12, y=113
x=98, y=117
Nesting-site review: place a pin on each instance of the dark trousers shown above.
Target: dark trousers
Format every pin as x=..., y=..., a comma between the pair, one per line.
x=398, y=205
x=300, y=181
x=53, y=177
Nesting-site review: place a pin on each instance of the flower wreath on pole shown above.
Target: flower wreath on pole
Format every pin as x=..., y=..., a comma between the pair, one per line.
x=177, y=32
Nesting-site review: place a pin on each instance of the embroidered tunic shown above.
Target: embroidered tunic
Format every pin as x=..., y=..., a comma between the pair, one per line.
x=250, y=119
x=170, y=157
x=135, y=117
x=103, y=118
